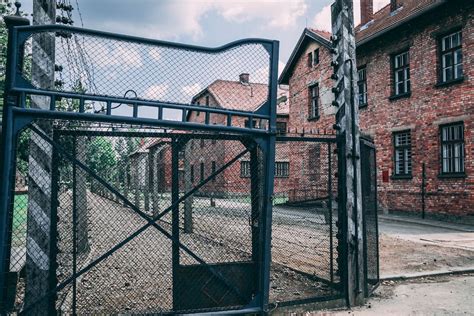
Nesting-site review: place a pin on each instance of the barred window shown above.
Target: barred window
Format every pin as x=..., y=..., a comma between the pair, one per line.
x=313, y=101
x=282, y=169
x=401, y=75
x=202, y=171
x=310, y=59
x=281, y=128
x=452, y=149
x=402, y=153
x=451, y=57
x=245, y=169
x=213, y=170
x=362, y=85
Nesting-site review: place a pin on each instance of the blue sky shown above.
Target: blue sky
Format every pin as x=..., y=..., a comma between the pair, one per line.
x=208, y=22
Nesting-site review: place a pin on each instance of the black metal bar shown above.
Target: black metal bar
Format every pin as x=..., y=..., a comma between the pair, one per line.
x=175, y=216
x=160, y=113
x=53, y=236
x=269, y=165
x=331, y=248
x=74, y=227
x=137, y=102
x=52, y=104
x=37, y=114
x=109, y=108
x=306, y=139
x=140, y=40
x=423, y=189
x=229, y=119
x=81, y=105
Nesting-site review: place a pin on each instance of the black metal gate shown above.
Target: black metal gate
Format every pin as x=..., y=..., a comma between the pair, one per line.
x=136, y=203
x=369, y=207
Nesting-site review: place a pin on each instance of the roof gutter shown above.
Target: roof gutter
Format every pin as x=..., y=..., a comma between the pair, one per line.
x=394, y=26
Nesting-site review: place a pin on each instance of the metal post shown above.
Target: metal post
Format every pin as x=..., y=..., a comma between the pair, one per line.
x=269, y=167
x=7, y=165
x=347, y=125
x=74, y=229
x=331, y=248
x=423, y=190
x=175, y=215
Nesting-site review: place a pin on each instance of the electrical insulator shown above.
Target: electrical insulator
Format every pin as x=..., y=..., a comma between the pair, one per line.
x=334, y=77
x=58, y=83
x=58, y=68
x=335, y=103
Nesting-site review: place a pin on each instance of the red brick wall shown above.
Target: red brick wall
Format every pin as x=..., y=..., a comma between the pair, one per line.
x=422, y=113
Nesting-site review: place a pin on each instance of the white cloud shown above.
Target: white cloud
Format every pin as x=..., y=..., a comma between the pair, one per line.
x=280, y=13
x=322, y=19
x=156, y=92
x=192, y=90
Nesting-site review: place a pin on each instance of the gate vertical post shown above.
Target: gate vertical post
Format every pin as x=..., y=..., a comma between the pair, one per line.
x=347, y=126
x=269, y=165
x=175, y=213
x=9, y=135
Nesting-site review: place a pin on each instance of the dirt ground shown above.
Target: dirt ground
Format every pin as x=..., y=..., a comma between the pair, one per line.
x=399, y=256
x=448, y=295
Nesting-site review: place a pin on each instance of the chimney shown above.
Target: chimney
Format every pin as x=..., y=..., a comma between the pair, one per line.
x=393, y=5
x=366, y=11
x=244, y=78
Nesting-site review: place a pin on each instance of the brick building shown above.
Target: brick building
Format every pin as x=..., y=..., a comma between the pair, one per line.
x=415, y=65
x=206, y=155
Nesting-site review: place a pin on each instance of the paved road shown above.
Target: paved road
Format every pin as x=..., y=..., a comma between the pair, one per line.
x=429, y=234
x=443, y=296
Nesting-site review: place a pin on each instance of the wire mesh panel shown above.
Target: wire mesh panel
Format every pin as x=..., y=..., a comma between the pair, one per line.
x=369, y=207
x=125, y=235
x=304, y=256
x=98, y=64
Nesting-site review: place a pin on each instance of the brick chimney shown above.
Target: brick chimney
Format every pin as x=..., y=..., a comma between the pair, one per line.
x=393, y=5
x=244, y=78
x=366, y=11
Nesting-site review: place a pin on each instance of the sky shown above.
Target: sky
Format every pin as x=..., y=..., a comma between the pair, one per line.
x=208, y=22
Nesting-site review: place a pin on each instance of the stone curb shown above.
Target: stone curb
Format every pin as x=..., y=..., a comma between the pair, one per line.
x=455, y=227
x=417, y=275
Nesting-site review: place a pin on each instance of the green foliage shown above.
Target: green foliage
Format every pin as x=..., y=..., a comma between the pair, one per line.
x=101, y=157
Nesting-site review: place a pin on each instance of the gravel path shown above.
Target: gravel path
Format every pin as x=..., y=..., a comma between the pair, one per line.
x=138, y=277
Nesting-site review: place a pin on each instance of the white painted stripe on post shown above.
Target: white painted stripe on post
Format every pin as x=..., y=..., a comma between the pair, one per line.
x=45, y=147
x=40, y=176
x=39, y=216
x=37, y=254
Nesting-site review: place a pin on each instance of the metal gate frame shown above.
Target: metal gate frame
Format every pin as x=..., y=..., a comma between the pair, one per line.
x=17, y=117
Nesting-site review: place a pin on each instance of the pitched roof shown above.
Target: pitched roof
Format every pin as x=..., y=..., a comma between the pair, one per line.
x=384, y=20
x=235, y=95
x=309, y=34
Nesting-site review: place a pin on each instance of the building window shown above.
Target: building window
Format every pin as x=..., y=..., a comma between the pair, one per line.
x=401, y=73
x=402, y=153
x=202, y=171
x=282, y=169
x=281, y=128
x=362, y=85
x=313, y=101
x=313, y=58
x=213, y=170
x=314, y=162
x=245, y=169
x=207, y=100
x=452, y=149
x=198, y=112
x=247, y=123
x=191, y=173
x=451, y=57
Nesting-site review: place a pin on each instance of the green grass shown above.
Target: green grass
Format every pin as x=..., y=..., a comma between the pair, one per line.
x=20, y=208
